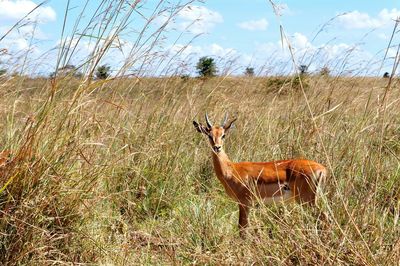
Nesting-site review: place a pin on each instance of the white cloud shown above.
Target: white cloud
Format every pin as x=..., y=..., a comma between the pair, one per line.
x=302, y=48
x=198, y=19
x=118, y=50
x=300, y=41
x=275, y=58
x=15, y=43
x=216, y=49
x=16, y=10
x=206, y=50
x=188, y=55
x=359, y=20
x=19, y=42
x=17, y=48
x=282, y=9
x=342, y=57
x=254, y=25
x=389, y=15
x=193, y=19
x=391, y=53
x=382, y=36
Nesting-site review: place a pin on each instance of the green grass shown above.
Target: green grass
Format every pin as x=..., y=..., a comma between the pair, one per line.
x=117, y=174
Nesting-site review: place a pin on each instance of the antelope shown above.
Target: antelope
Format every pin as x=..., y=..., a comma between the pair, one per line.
x=274, y=181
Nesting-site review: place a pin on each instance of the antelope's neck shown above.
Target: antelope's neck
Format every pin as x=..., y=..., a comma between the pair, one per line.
x=222, y=165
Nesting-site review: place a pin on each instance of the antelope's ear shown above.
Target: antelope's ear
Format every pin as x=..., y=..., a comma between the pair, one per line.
x=229, y=124
x=198, y=127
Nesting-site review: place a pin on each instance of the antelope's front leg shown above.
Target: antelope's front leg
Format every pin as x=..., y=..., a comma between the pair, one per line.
x=243, y=219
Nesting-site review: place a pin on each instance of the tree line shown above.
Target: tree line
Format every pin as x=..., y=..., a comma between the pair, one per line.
x=206, y=67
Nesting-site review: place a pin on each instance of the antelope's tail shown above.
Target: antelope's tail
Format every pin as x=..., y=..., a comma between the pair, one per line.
x=320, y=176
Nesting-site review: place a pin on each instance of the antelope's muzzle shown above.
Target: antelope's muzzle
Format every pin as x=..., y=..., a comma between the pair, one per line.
x=217, y=148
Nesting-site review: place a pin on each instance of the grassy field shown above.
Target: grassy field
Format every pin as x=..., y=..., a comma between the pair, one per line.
x=114, y=173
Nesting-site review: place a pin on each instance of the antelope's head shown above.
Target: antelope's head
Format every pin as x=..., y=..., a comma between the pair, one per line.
x=215, y=134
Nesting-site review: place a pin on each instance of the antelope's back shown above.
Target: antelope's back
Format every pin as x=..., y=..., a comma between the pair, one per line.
x=280, y=171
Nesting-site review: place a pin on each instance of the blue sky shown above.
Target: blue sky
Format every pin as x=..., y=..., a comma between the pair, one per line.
x=354, y=36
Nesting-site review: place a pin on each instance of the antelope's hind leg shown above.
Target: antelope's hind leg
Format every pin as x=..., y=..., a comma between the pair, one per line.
x=303, y=191
x=243, y=219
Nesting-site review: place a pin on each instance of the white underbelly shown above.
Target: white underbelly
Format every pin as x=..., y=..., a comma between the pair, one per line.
x=274, y=193
x=280, y=197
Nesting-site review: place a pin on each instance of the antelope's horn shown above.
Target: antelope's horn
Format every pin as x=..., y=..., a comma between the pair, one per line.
x=209, y=125
x=225, y=119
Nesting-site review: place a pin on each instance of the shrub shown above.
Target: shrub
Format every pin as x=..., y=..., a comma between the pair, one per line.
x=325, y=71
x=249, y=71
x=303, y=69
x=206, y=67
x=284, y=85
x=185, y=77
x=103, y=72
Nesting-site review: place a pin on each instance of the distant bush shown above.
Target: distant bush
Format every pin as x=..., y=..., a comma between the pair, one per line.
x=285, y=85
x=303, y=69
x=185, y=77
x=249, y=71
x=206, y=67
x=103, y=72
x=325, y=71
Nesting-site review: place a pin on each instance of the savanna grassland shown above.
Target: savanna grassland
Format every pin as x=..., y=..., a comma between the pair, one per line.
x=113, y=172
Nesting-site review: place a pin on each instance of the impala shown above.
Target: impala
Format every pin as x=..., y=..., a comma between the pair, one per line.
x=275, y=181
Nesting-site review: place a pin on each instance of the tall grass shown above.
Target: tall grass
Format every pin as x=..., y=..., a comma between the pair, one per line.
x=122, y=177
x=112, y=172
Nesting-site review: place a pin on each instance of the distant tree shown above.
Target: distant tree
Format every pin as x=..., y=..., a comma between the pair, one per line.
x=249, y=71
x=103, y=72
x=206, y=67
x=303, y=69
x=386, y=75
x=325, y=71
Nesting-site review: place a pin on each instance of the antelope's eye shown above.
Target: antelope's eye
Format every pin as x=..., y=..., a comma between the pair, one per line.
x=223, y=136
